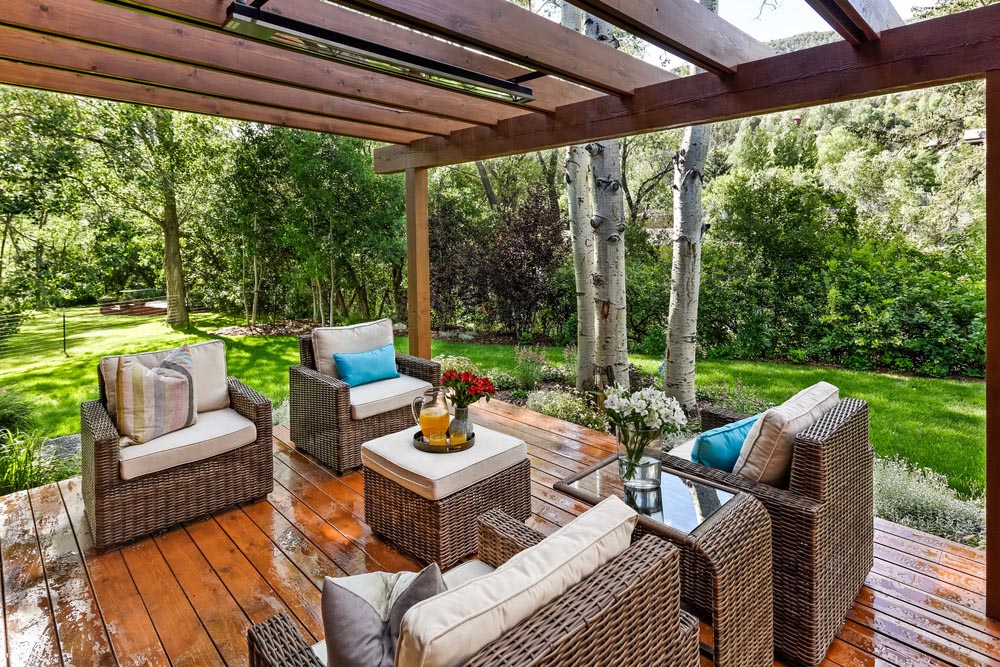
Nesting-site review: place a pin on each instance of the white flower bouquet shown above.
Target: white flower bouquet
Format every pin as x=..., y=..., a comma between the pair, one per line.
x=641, y=418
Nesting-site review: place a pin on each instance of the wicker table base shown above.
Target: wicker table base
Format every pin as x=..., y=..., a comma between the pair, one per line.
x=443, y=531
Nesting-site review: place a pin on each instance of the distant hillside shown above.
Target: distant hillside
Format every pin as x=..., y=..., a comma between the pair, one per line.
x=803, y=40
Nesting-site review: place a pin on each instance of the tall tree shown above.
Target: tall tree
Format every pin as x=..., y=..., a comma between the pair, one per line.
x=685, y=272
x=611, y=340
x=577, y=168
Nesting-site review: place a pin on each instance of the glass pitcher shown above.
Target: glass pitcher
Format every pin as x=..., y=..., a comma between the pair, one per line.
x=433, y=417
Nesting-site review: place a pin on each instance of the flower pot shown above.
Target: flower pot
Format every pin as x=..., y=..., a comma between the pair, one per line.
x=639, y=457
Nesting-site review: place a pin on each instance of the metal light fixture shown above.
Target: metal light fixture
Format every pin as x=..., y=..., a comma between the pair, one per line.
x=247, y=17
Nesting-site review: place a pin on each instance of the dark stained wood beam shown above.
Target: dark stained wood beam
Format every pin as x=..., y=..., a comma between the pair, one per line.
x=418, y=264
x=503, y=28
x=75, y=83
x=32, y=47
x=550, y=92
x=141, y=32
x=993, y=344
x=942, y=50
x=858, y=21
x=682, y=27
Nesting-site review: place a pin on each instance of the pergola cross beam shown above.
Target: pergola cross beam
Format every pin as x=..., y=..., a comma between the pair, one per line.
x=858, y=21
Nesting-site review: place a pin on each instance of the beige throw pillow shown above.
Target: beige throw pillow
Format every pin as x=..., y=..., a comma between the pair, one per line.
x=362, y=337
x=766, y=455
x=155, y=401
x=450, y=628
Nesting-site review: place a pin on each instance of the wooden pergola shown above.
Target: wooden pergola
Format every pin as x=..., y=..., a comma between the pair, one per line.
x=178, y=54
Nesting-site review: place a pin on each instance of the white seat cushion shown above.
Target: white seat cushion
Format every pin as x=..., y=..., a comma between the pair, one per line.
x=467, y=571
x=211, y=391
x=374, y=398
x=215, y=433
x=319, y=650
x=449, y=628
x=355, y=338
x=766, y=455
x=684, y=450
x=436, y=476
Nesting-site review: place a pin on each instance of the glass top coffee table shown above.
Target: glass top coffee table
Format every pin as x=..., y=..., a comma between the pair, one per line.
x=725, y=540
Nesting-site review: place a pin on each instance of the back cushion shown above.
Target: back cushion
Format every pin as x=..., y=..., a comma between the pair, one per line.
x=449, y=628
x=355, y=338
x=766, y=455
x=211, y=391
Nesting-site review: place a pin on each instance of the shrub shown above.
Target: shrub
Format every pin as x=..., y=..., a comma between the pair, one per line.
x=502, y=379
x=22, y=465
x=528, y=363
x=570, y=406
x=280, y=412
x=15, y=411
x=921, y=498
x=458, y=364
x=556, y=373
x=738, y=397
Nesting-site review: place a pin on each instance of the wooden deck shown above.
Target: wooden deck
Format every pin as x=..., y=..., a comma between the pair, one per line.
x=187, y=597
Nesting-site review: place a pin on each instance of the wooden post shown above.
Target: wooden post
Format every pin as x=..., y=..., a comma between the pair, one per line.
x=418, y=263
x=993, y=344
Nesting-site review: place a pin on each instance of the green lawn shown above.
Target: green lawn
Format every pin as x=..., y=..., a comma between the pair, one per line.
x=940, y=424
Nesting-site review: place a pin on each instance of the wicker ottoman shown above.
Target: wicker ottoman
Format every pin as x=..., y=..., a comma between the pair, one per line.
x=427, y=504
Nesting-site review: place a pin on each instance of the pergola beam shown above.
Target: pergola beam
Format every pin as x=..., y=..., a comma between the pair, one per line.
x=74, y=83
x=682, y=27
x=31, y=47
x=140, y=32
x=503, y=28
x=549, y=91
x=950, y=48
x=858, y=21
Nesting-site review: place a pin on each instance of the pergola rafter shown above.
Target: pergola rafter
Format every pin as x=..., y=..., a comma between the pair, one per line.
x=175, y=54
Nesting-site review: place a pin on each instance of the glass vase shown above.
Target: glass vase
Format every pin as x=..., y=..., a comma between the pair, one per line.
x=461, y=427
x=639, y=453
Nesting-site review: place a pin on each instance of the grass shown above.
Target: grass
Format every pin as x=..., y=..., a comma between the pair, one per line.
x=939, y=424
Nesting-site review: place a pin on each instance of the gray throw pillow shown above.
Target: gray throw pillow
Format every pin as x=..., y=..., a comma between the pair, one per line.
x=362, y=614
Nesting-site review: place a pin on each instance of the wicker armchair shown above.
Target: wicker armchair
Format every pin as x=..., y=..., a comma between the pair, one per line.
x=121, y=510
x=822, y=525
x=627, y=613
x=320, y=418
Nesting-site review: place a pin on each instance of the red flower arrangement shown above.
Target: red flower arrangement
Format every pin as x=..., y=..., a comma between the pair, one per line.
x=467, y=388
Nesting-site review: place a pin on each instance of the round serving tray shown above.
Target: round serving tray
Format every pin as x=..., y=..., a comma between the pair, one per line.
x=424, y=446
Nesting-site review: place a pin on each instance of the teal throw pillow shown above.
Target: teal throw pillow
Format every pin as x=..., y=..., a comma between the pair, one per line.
x=357, y=368
x=720, y=447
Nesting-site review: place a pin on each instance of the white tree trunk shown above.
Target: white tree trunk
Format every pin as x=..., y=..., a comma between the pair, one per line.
x=608, y=222
x=577, y=167
x=685, y=272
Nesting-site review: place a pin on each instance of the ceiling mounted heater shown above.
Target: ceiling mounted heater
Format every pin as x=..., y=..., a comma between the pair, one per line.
x=248, y=18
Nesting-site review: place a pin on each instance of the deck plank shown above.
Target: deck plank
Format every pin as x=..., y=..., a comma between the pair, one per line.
x=31, y=630
x=133, y=636
x=191, y=593
x=83, y=639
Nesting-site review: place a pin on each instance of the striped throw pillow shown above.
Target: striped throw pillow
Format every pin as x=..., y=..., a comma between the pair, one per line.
x=155, y=401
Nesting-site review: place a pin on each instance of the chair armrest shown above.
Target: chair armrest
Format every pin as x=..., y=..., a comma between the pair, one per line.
x=325, y=396
x=422, y=369
x=249, y=403
x=276, y=643
x=636, y=595
x=714, y=417
x=99, y=446
x=501, y=536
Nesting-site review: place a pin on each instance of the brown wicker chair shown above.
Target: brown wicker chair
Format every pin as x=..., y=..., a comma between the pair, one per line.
x=627, y=613
x=822, y=525
x=120, y=510
x=320, y=410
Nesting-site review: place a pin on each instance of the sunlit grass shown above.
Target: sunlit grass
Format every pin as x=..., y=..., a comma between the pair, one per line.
x=940, y=424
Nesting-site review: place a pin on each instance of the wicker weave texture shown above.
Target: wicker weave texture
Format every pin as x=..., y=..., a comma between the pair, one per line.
x=320, y=419
x=443, y=531
x=627, y=613
x=822, y=526
x=120, y=511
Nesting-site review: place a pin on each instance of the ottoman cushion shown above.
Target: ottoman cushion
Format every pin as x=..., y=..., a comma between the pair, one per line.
x=437, y=476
